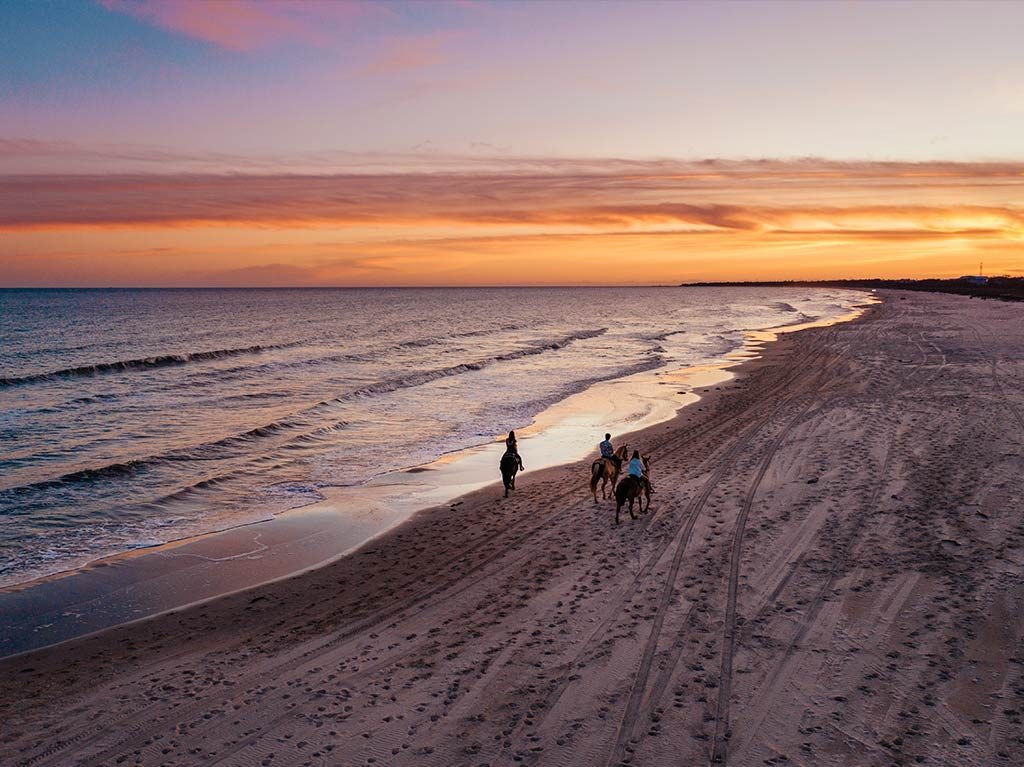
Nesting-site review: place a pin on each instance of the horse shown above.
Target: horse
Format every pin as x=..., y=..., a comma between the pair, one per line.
x=630, y=490
x=510, y=465
x=604, y=471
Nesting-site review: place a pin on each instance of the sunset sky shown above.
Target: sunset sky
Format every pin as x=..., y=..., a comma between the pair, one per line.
x=152, y=142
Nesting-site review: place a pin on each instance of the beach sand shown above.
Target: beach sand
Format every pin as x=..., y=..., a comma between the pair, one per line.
x=831, y=573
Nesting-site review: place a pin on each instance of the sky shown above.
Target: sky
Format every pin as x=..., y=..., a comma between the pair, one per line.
x=180, y=143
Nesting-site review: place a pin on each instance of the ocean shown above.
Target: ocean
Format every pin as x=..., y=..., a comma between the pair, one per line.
x=130, y=418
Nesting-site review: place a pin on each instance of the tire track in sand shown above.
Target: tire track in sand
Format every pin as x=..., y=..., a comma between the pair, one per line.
x=626, y=732
x=783, y=670
x=722, y=734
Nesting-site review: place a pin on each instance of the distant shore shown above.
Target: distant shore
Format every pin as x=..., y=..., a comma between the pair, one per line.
x=831, y=573
x=1001, y=288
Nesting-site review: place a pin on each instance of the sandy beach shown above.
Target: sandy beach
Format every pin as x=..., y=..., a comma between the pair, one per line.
x=831, y=573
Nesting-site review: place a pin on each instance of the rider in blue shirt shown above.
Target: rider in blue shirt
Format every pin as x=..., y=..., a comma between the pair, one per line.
x=637, y=470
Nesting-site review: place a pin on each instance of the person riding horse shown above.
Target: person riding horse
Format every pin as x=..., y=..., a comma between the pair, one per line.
x=635, y=487
x=510, y=464
x=637, y=471
x=512, y=448
x=607, y=451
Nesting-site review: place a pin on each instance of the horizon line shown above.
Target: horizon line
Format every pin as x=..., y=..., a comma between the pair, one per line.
x=483, y=286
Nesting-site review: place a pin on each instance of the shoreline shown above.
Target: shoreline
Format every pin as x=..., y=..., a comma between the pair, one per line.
x=831, y=571
x=145, y=582
x=689, y=377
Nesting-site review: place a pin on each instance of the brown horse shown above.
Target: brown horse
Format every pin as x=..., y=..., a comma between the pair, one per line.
x=631, y=490
x=604, y=471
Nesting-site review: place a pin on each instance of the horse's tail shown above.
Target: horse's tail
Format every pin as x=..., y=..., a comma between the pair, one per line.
x=596, y=472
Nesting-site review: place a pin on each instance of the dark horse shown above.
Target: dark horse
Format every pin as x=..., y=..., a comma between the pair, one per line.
x=631, y=489
x=510, y=466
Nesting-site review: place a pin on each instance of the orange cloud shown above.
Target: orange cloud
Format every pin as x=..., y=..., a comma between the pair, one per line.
x=245, y=257
x=512, y=220
x=613, y=200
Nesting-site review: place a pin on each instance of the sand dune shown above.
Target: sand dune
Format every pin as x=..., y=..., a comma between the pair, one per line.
x=831, y=573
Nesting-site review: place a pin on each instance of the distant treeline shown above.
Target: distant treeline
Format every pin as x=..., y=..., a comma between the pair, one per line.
x=1003, y=288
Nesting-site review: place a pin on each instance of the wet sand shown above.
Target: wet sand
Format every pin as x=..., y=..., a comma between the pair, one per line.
x=831, y=573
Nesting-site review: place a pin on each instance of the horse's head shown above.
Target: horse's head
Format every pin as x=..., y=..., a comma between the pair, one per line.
x=647, y=463
x=622, y=452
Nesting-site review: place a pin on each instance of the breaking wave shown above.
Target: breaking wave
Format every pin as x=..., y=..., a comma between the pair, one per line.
x=159, y=361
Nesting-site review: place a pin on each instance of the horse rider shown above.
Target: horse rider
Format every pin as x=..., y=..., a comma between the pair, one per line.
x=637, y=470
x=512, y=448
x=607, y=451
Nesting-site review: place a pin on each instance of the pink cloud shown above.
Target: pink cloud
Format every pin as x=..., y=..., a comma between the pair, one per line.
x=410, y=54
x=243, y=25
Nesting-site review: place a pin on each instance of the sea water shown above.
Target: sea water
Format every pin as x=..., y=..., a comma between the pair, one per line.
x=130, y=418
